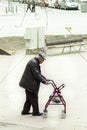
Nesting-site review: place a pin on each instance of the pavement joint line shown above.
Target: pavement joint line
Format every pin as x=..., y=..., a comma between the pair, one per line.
x=8, y=123
x=79, y=53
x=8, y=14
x=4, y=124
x=19, y=62
x=13, y=124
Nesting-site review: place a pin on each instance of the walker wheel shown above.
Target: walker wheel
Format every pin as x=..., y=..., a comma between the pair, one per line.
x=63, y=115
x=45, y=114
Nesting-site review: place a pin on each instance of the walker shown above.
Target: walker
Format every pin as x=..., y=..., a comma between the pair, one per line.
x=55, y=98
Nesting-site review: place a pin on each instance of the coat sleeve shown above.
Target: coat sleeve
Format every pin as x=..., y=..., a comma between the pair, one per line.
x=36, y=73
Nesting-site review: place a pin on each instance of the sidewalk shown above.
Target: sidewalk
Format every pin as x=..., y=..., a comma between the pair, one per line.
x=70, y=69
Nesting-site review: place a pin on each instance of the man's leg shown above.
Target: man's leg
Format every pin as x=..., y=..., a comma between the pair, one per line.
x=34, y=102
x=27, y=104
x=35, y=105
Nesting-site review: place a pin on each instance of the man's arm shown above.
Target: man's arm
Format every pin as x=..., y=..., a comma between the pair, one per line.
x=36, y=73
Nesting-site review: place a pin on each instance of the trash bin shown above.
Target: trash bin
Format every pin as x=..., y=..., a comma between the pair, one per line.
x=84, y=6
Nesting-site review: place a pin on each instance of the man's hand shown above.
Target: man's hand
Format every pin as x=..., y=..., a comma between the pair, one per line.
x=46, y=82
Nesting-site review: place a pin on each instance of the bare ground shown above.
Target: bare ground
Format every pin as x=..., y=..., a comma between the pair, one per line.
x=11, y=44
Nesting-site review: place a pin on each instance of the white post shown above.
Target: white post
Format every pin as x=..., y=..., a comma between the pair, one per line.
x=9, y=5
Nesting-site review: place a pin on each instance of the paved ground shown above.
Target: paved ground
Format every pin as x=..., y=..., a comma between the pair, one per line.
x=68, y=69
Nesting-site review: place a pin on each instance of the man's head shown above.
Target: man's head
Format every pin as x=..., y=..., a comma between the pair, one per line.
x=41, y=57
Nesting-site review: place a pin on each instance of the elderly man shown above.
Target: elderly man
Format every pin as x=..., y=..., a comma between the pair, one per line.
x=30, y=81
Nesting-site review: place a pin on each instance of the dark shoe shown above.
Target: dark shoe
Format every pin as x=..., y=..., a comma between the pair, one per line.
x=26, y=113
x=37, y=114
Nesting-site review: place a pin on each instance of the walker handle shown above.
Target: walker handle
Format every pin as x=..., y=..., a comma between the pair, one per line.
x=54, y=85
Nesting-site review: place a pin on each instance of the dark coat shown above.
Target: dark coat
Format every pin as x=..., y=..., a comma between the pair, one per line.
x=32, y=76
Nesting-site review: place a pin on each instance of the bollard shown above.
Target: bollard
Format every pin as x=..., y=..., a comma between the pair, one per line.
x=6, y=10
x=16, y=9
